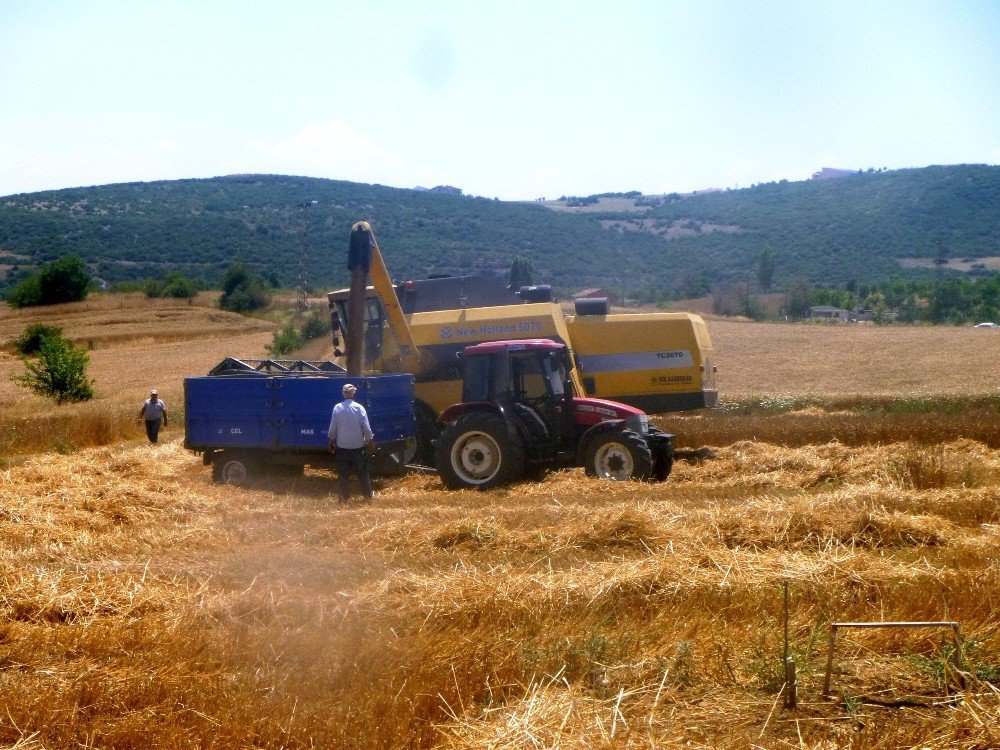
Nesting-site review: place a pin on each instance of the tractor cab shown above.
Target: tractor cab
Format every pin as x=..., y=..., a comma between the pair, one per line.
x=529, y=381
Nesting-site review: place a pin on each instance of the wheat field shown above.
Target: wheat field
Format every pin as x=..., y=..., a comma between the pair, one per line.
x=142, y=605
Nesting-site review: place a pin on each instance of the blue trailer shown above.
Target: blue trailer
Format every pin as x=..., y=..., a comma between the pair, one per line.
x=258, y=417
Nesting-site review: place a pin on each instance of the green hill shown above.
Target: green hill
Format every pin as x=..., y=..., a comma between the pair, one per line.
x=830, y=231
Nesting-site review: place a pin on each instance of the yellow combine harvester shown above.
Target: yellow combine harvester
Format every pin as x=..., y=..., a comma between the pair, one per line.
x=658, y=362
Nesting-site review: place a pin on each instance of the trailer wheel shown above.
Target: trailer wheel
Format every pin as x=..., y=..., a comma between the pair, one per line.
x=618, y=455
x=230, y=467
x=478, y=452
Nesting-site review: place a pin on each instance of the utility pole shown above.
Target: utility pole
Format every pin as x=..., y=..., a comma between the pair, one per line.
x=302, y=302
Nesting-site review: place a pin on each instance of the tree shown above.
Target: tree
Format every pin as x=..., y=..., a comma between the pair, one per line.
x=65, y=280
x=243, y=290
x=59, y=372
x=799, y=298
x=521, y=272
x=765, y=270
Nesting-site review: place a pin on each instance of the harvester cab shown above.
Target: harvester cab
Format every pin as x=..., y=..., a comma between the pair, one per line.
x=518, y=413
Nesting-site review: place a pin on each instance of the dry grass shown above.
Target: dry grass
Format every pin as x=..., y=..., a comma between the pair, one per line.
x=143, y=606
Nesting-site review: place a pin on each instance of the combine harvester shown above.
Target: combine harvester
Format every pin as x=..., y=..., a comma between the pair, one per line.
x=657, y=362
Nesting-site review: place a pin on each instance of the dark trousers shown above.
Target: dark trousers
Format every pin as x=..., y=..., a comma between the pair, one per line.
x=153, y=429
x=353, y=461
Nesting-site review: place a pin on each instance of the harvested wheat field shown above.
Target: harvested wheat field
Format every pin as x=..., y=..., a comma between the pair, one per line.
x=135, y=344
x=822, y=360
x=144, y=606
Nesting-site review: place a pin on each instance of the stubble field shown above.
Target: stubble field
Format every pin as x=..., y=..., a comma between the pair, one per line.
x=144, y=606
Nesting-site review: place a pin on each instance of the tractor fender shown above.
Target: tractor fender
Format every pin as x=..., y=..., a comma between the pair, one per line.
x=601, y=427
x=455, y=411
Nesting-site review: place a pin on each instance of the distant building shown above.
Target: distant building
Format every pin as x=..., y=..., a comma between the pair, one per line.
x=597, y=293
x=825, y=312
x=829, y=173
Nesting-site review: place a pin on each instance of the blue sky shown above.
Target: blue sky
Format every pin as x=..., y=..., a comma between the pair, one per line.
x=516, y=100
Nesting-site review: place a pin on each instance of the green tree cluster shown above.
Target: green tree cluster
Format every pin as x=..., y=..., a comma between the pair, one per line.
x=243, y=290
x=64, y=280
x=30, y=340
x=293, y=336
x=175, y=284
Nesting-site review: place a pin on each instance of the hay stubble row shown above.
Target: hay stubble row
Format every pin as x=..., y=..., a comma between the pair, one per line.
x=143, y=605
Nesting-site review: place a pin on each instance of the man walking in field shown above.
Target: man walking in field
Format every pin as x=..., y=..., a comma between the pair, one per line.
x=350, y=439
x=154, y=412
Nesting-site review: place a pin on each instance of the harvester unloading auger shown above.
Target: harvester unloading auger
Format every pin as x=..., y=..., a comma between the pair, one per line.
x=656, y=362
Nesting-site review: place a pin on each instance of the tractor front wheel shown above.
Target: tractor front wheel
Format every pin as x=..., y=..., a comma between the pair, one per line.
x=618, y=455
x=478, y=452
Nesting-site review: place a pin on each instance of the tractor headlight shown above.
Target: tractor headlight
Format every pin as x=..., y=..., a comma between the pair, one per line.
x=638, y=423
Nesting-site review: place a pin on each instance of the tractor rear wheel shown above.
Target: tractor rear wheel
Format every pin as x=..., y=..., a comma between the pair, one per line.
x=618, y=455
x=478, y=452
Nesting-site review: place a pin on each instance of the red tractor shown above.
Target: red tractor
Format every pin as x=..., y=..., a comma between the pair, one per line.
x=518, y=415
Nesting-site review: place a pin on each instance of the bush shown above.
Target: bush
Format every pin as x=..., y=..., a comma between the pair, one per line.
x=26, y=294
x=286, y=341
x=179, y=287
x=59, y=372
x=65, y=280
x=174, y=284
x=30, y=341
x=243, y=290
x=315, y=325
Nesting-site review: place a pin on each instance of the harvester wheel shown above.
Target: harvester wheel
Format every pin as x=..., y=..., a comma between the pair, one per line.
x=618, y=455
x=426, y=428
x=231, y=467
x=478, y=452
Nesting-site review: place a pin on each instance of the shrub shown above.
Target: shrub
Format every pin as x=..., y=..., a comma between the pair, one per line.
x=286, y=340
x=179, y=287
x=30, y=341
x=243, y=290
x=315, y=325
x=26, y=294
x=59, y=372
x=174, y=284
x=65, y=280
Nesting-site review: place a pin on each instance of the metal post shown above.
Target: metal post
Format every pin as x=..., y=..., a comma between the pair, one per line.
x=791, y=686
x=829, y=659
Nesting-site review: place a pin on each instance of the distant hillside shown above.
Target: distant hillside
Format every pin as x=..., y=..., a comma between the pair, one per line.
x=868, y=226
x=873, y=225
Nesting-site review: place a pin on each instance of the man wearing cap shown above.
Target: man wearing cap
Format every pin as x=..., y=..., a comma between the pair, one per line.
x=350, y=437
x=154, y=412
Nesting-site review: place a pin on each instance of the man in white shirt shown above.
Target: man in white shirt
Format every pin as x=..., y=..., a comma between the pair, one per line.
x=154, y=412
x=350, y=438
